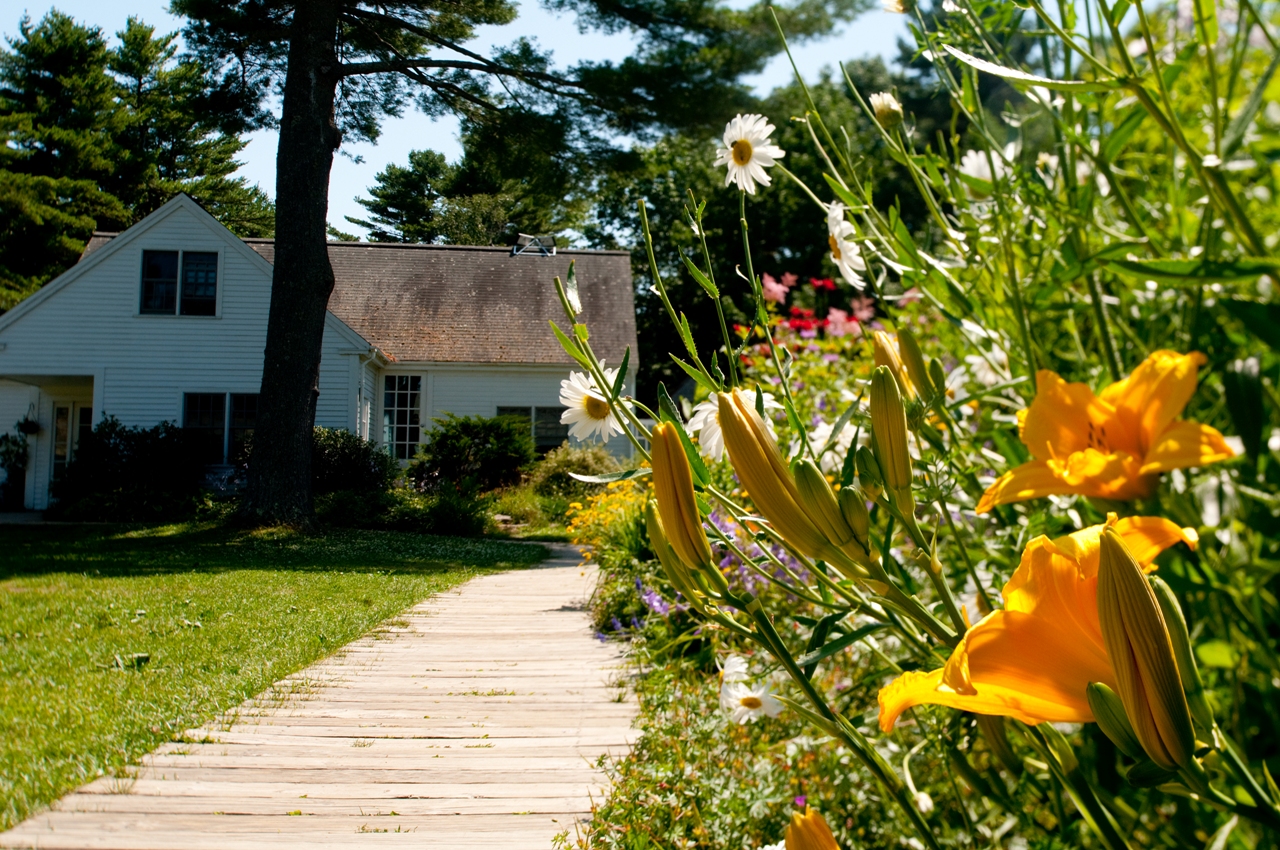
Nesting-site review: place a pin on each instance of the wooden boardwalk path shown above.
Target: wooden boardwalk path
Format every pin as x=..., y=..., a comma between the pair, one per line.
x=472, y=720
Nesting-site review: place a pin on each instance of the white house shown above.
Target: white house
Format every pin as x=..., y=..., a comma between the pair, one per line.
x=167, y=322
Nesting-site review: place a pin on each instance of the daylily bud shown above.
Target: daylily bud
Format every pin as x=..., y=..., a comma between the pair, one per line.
x=810, y=832
x=889, y=431
x=761, y=469
x=869, y=474
x=677, y=573
x=939, y=375
x=1187, y=667
x=913, y=361
x=673, y=487
x=854, y=507
x=884, y=352
x=1108, y=711
x=1141, y=653
x=822, y=506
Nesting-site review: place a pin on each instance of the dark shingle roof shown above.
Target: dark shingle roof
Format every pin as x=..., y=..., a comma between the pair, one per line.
x=458, y=304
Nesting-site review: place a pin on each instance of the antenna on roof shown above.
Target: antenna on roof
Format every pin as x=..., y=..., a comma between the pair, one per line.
x=542, y=245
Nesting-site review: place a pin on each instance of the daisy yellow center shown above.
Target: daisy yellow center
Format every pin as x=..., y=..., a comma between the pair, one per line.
x=742, y=151
x=596, y=408
x=835, y=247
x=751, y=702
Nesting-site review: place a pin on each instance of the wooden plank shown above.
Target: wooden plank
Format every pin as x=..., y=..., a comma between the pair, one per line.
x=476, y=718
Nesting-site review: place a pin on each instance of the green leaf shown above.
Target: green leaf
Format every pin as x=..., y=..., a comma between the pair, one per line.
x=697, y=376
x=702, y=279
x=1216, y=653
x=1207, y=23
x=1023, y=77
x=1243, y=387
x=1219, y=839
x=1196, y=271
x=1119, y=10
x=1234, y=137
x=819, y=637
x=839, y=643
x=839, y=426
x=849, y=199
x=1262, y=320
x=568, y=345
x=571, y=290
x=1080, y=268
x=581, y=332
x=608, y=477
x=620, y=382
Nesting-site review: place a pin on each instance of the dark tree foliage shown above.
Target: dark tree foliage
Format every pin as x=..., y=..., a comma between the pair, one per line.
x=338, y=66
x=97, y=137
x=788, y=230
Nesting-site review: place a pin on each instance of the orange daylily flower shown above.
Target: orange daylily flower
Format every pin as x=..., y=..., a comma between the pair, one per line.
x=1033, y=659
x=1113, y=445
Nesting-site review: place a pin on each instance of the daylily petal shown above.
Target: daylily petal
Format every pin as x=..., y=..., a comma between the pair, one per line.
x=1105, y=476
x=1033, y=659
x=1155, y=393
x=1184, y=444
x=1061, y=417
x=1031, y=480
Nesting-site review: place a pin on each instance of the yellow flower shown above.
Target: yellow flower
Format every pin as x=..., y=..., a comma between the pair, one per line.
x=1034, y=659
x=810, y=832
x=1113, y=445
x=677, y=504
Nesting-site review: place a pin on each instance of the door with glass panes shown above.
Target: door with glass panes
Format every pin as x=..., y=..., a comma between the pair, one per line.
x=71, y=421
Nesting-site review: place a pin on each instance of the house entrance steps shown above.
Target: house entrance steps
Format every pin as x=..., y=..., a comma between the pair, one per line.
x=472, y=720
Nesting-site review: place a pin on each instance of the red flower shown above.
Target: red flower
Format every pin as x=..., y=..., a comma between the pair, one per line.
x=823, y=283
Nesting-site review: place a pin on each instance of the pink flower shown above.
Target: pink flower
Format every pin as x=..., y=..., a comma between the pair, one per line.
x=789, y=280
x=910, y=296
x=839, y=324
x=863, y=307
x=774, y=291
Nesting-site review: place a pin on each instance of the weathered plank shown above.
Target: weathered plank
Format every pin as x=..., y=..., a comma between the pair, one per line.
x=474, y=719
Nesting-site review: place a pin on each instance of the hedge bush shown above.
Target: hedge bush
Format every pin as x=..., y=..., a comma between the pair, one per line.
x=472, y=454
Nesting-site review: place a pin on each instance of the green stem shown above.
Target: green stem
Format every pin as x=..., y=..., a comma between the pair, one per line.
x=1104, y=330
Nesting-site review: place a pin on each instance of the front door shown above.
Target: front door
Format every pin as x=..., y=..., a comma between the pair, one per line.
x=71, y=421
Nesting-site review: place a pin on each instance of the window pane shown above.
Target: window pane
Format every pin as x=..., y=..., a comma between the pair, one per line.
x=199, y=283
x=401, y=414
x=244, y=416
x=548, y=433
x=159, y=282
x=204, y=418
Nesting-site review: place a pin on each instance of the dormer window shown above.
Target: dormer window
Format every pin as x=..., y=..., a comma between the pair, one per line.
x=183, y=283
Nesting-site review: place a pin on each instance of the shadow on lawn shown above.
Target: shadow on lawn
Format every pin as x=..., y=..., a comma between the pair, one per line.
x=118, y=550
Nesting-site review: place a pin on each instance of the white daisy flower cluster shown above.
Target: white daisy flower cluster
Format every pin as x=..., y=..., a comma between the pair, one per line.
x=742, y=700
x=747, y=152
x=705, y=422
x=588, y=413
x=845, y=252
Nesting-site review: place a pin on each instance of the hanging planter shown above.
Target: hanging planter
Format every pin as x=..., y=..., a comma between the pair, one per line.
x=28, y=426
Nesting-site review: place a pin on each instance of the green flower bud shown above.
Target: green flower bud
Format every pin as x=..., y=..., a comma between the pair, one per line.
x=1187, y=668
x=1108, y=712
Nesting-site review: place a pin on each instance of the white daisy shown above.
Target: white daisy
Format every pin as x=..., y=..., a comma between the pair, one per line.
x=747, y=152
x=887, y=109
x=734, y=670
x=781, y=845
x=845, y=253
x=819, y=434
x=745, y=702
x=976, y=165
x=705, y=422
x=588, y=411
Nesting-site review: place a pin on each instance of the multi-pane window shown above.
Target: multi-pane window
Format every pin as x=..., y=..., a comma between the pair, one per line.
x=219, y=423
x=71, y=423
x=199, y=283
x=402, y=415
x=204, y=415
x=544, y=424
x=159, y=282
x=161, y=293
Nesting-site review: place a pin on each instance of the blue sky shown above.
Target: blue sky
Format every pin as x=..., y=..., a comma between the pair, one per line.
x=875, y=33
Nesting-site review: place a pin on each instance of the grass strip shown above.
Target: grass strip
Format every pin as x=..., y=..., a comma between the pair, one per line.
x=114, y=640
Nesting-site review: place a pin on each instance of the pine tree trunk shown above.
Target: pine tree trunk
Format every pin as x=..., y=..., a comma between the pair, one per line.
x=279, y=487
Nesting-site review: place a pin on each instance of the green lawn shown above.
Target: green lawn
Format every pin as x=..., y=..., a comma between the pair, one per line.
x=115, y=639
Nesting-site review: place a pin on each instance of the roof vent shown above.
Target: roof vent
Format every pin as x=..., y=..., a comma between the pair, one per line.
x=544, y=246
